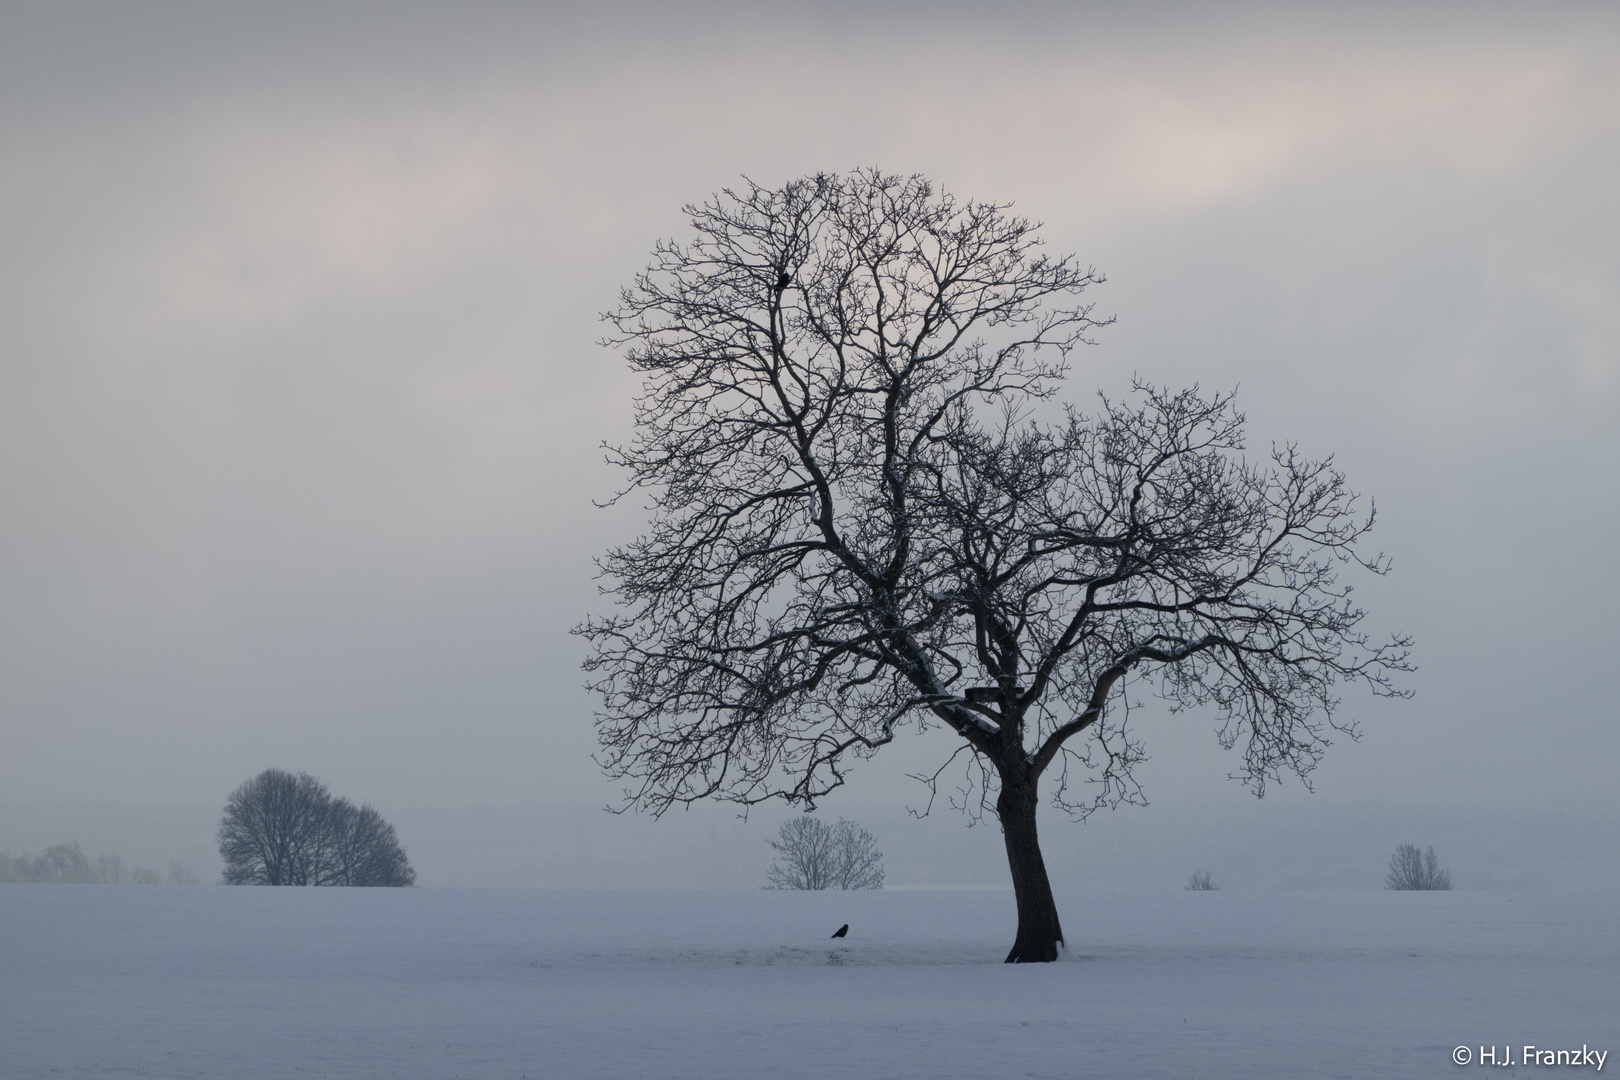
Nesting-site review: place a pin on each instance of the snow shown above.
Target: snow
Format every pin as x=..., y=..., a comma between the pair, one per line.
x=115, y=981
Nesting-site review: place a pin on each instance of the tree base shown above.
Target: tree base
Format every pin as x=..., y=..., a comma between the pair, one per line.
x=1035, y=954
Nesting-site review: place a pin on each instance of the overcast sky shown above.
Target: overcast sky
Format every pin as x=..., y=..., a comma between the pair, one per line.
x=301, y=403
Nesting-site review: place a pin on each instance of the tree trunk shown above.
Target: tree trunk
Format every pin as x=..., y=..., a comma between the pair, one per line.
x=1039, y=933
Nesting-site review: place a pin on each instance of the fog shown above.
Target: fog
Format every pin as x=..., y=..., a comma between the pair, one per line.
x=301, y=404
x=1243, y=843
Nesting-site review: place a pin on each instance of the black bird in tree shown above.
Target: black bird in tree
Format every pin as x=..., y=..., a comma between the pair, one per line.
x=841, y=931
x=783, y=280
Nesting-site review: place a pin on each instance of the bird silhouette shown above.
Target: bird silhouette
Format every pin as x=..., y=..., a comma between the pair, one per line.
x=783, y=280
x=841, y=931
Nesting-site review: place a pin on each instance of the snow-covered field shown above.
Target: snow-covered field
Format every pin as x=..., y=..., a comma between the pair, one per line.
x=238, y=982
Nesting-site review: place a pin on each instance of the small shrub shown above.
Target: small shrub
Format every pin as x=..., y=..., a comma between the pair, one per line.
x=1201, y=882
x=1410, y=868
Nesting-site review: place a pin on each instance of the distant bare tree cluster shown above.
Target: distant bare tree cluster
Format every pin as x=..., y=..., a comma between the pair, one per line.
x=281, y=829
x=810, y=854
x=67, y=864
x=1201, y=881
x=1410, y=868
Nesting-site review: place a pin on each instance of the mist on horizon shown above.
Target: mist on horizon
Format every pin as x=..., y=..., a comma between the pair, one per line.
x=301, y=406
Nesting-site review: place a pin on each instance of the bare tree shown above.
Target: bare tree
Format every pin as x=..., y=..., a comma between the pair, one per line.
x=365, y=850
x=281, y=829
x=1201, y=881
x=805, y=859
x=860, y=863
x=1412, y=868
x=814, y=855
x=857, y=525
x=270, y=834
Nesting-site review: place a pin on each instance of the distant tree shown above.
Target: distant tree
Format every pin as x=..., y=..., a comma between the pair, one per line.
x=868, y=516
x=1410, y=868
x=365, y=849
x=59, y=864
x=67, y=864
x=1201, y=881
x=140, y=875
x=814, y=855
x=281, y=829
x=272, y=832
x=182, y=872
